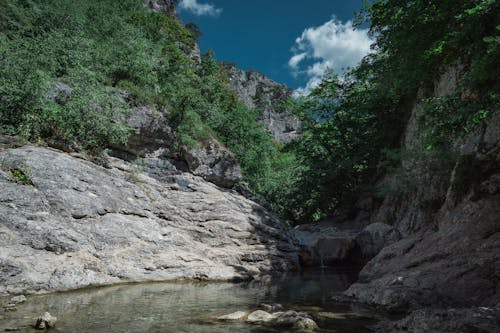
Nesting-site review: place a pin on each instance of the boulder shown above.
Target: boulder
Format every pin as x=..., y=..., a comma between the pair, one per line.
x=213, y=162
x=18, y=299
x=45, y=321
x=299, y=321
x=238, y=315
x=325, y=244
x=151, y=133
x=259, y=316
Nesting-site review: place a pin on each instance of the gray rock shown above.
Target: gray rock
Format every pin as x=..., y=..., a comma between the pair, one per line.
x=325, y=244
x=213, y=162
x=238, y=315
x=305, y=325
x=259, y=316
x=271, y=307
x=256, y=90
x=84, y=225
x=59, y=92
x=162, y=6
x=45, y=321
x=447, y=213
x=375, y=237
x=151, y=133
x=297, y=320
x=445, y=321
x=18, y=299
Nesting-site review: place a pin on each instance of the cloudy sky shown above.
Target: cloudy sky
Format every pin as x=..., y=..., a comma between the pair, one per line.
x=292, y=41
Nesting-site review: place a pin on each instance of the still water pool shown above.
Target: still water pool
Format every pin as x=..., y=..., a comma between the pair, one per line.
x=185, y=307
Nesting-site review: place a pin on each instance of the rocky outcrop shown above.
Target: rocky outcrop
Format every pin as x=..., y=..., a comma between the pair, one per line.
x=329, y=243
x=150, y=135
x=151, y=141
x=450, y=223
x=162, y=6
x=213, y=162
x=80, y=225
x=256, y=90
x=484, y=320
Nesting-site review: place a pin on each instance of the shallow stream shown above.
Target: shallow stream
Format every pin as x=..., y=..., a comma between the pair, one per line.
x=187, y=307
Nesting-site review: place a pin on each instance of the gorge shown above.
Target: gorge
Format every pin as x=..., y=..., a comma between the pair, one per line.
x=377, y=211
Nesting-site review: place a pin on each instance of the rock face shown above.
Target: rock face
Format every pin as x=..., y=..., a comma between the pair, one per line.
x=151, y=134
x=449, y=254
x=329, y=243
x=256, y=90
x=162, y=6
x=214, y=163
x=151, y=142
x=81, y=225
x=483, y=320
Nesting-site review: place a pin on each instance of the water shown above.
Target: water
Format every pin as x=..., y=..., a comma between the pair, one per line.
x=188, y=307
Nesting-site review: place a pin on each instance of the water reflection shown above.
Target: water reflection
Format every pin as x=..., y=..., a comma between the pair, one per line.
x=163, y=307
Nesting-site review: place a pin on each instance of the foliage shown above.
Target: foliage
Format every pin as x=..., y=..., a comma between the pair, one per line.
x=112, y=56
x=20, y=174
x=116, y=55
x=353, y=126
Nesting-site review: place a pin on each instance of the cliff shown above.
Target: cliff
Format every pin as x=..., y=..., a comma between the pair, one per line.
x=447, y=207
x=258, y=91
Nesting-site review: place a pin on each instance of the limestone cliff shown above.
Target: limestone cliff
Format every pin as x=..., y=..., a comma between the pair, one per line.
x=448, y=211
x=258, y=91
x=67, y=223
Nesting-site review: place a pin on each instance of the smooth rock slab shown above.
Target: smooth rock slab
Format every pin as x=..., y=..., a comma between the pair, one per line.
x=83, y=225
x=260, y=316
x=238, y=315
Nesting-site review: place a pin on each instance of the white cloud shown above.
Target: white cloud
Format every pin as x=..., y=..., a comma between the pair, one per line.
x=199, y=9
x=296, y=59
x=333, y=45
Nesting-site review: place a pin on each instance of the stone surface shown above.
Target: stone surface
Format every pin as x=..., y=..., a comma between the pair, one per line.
x=238, y=315
x=162, y=6
x=483, y=320
x=213, y=162
x=18, y=299
x=448, y=217
x=372, y=239
x=299, y=321
x=259, y=316
x=330, y=243
x=151, y=134
x=84, y=225
x=45, y=322
x=256, y=90
x=151, y=142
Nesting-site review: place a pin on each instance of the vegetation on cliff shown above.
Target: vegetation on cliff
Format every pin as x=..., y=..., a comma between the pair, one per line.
x=354, y=125
x=71, y=71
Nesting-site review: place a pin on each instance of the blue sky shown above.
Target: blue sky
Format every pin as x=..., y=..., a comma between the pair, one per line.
x=291, y=41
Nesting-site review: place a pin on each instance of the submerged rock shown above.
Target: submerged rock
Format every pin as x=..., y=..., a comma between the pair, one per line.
x=18, y=299
x=259, y=316
x=238, y=315
x=45, y=321
x=484, y=320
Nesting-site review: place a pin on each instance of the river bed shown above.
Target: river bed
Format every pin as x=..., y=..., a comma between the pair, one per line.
x=187, y=307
